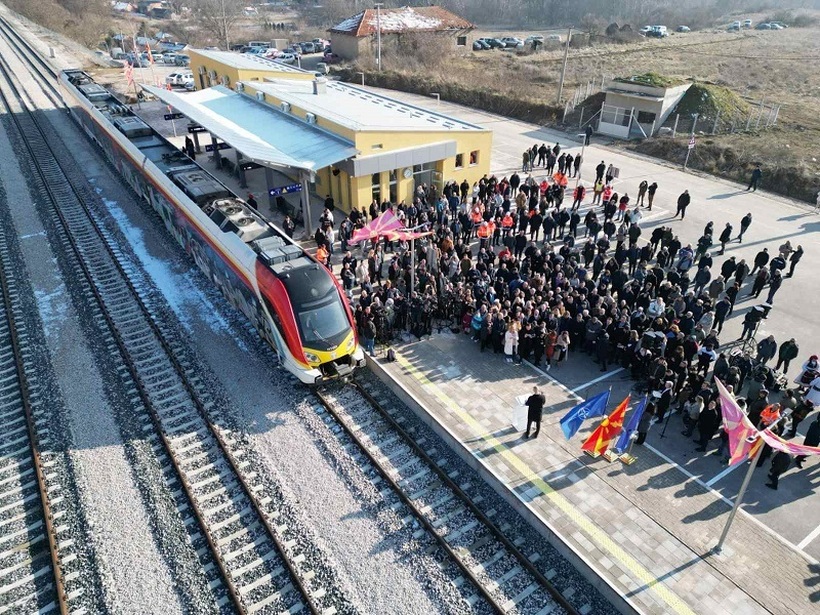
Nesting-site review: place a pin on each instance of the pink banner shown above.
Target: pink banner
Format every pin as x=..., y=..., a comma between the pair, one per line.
x=792, y=448
x=378, y=227
x=743, y=440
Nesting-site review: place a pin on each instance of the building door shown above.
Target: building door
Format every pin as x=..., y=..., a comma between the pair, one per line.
x=376, y=187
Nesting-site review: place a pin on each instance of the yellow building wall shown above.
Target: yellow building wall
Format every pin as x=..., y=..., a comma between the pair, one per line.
x=357, y=191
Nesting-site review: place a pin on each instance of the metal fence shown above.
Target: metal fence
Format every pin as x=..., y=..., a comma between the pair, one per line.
x=760, y=117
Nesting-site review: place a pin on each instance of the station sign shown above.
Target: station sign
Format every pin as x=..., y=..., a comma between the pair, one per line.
x=210, y=146
x=174, y=116
x=290, y=188
x=192, y=128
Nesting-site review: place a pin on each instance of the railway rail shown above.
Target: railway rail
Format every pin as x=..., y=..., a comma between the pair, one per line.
x=263, y=564
x=497, y=569
x=31, y=566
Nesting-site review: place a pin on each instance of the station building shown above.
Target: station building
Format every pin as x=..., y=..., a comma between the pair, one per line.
x=397, y=146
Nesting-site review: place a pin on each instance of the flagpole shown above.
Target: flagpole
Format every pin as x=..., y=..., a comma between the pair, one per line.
x=738, y=499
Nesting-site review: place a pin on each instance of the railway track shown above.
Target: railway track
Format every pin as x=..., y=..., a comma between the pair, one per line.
x=256, y=562
x=31, y=565
x=438, y=501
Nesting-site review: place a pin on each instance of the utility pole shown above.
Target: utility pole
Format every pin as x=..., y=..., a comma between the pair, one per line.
x=379, y=6
x=564, y=68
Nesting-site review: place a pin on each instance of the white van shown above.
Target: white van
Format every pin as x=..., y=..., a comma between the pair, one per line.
x=168, y=57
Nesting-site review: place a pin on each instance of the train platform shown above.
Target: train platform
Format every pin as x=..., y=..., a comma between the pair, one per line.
x=642, y=533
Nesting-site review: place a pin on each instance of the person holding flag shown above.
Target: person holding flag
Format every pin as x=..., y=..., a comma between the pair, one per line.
x=592, y=407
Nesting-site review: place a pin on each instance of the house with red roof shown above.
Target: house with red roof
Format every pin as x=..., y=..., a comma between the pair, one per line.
x=356, y=35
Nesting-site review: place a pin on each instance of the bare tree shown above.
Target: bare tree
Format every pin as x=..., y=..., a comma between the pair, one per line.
x=591, y=25
x=218, y=17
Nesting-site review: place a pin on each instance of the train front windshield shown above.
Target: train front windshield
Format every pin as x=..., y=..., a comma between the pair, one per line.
x=323, y=323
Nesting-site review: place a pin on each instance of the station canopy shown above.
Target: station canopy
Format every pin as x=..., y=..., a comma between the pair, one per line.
x=262, y=133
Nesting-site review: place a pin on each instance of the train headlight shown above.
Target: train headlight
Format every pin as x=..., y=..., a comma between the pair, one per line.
x=312, y=358
x=351, y=342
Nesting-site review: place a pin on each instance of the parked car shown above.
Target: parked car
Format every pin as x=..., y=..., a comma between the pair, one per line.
x=286, y=58
x=555, y=38
x=182, y=60
x=319, y=44
x=657, y=32
x=168, y=57
x=323, y=68
x=747, y=23
x=494, y=43
x=479, y=45
x=188, y=81
x=512, y=42
x=778, y=26
x=331, y=58
x=645, y=29
x=179, y=77
x=136, y=61
x=734, y=27
x=307, y=47
x=683, y=29
x=532, y=38
x=763, y=25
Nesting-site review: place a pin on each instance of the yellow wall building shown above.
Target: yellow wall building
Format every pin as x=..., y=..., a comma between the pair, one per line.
x=400, y=145
x=229, y=68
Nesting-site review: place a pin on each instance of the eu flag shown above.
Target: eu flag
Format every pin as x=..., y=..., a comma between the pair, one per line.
x=592, y=407
x=623, y=441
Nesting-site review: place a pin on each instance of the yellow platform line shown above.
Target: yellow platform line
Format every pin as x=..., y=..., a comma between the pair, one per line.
x=598, y=536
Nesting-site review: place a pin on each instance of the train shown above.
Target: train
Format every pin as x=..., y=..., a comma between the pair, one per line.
x=295, y=302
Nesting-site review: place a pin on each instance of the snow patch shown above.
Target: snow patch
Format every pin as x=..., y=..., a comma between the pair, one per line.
x=403, y=19
x=350, y=24
x=182, y=294
x=53, y=308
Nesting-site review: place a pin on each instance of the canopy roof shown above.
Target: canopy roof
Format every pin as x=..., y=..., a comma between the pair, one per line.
x=262, y=133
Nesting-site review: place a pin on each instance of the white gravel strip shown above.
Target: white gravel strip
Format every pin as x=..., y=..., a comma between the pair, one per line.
x=136, y=577
x=363, y=555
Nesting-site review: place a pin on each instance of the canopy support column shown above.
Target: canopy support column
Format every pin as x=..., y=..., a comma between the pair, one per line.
x=304, y=178
x=269, y=182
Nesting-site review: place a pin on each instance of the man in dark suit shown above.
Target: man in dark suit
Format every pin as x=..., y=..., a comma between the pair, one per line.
x=535, y=405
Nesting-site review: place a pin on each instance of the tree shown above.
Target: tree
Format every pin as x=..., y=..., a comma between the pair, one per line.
x=218, y=17
x=591, y=25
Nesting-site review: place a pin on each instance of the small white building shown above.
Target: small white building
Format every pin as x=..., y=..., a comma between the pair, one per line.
x=638, y=106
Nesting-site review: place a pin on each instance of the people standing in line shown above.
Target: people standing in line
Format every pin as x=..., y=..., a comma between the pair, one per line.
x=786, y=353
x=535, y=406
x=252, y=202
x=645, y=423
x=588, y=134
x=708, y=424
x=745, y=223
x=812, y=439
x=683, y=202
x=642, y=188
x=599, y=171
x=725, y=237
x=761, y=260
x=664, y=401
x=757, y=175
x=650, y=194
x=780, y=463
x=775, y=282
x=576, y=165
x=510, y=342
x=794, y=259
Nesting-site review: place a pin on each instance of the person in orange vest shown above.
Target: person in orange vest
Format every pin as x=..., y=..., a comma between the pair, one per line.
x=322, y=254
x=507, y=224
x=561, y=179
x=494, y=236
x=483, y=233
x=544, y=186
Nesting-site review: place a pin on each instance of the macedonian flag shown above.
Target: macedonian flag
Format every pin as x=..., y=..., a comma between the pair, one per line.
x=599, y=440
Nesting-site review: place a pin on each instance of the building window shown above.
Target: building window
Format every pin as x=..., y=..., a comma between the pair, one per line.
x=376, y=187
x=474, y=158
x=459, y=161
x=646, y=117
x=377, y=146
x=461, y=41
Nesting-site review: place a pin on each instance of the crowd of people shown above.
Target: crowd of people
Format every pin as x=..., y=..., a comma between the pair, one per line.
x=515, y=265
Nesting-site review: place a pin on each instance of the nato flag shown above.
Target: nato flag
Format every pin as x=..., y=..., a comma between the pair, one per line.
x=592, y=407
